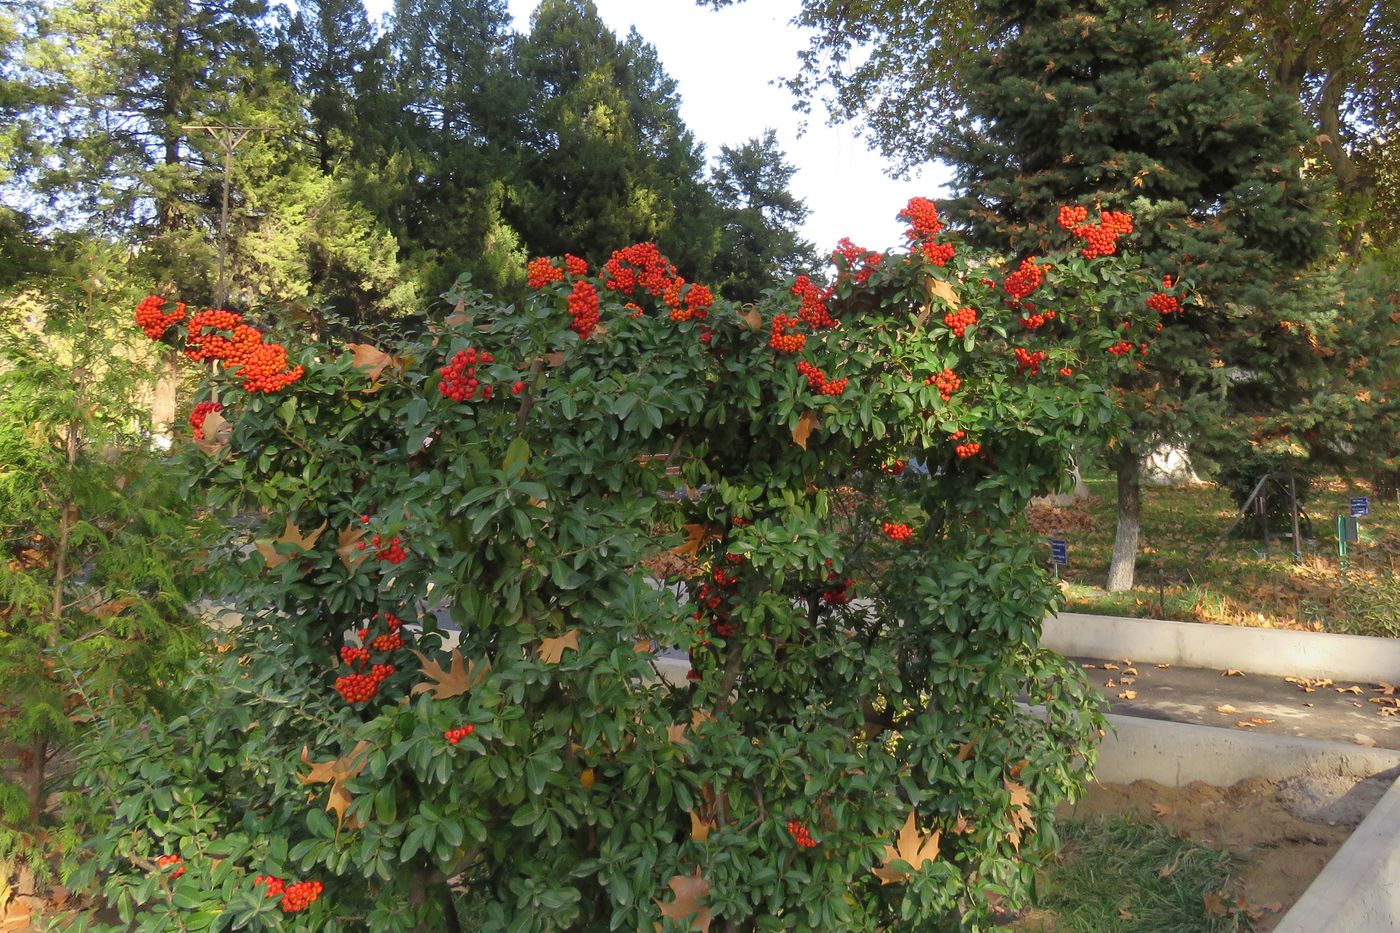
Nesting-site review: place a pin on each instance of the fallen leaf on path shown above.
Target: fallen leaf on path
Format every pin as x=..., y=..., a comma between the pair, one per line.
x=1163, y=667
x=1161, y=809
x=1260, y=720
x=1110, y=684
x=1362, y=738
x=1128, y=695
x=1352, y=689
x=1231, y=672
x=1090, y=667
x=1130, y=670
x=1111, y=667
x=1387, y=689
x=1245, y=724
x=1226, y=708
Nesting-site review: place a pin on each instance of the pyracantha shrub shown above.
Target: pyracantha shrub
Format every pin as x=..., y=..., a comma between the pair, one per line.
x=846, y=749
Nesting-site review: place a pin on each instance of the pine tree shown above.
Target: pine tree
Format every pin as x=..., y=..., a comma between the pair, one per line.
x=612, y=162
x=761, y=215
x=1099, y=102
x=329, y=44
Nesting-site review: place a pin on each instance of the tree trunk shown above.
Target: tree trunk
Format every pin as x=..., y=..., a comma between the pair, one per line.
x=165, y=397
x=1120, y=568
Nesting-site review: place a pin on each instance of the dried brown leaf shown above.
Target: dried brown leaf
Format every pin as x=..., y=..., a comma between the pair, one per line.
x=217, y=433
x=1127, y=695
x=751, y=318
x=372, y=361
x=1111, y=667
x=805, y=425
x=910, y=847
x=552, y=649
x=348, y=550
x=700, y=829
x=459, y=679
x=1231, y=672
x=336, y=772
x=690, y=890
x=1226, y=708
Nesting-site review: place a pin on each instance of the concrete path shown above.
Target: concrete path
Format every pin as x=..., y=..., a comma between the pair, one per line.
x=1342, y=711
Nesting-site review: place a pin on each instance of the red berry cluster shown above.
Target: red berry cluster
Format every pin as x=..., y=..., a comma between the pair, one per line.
x=453, y=736
x=893, y=468
x=262, y=366
x=391, y=551
x=1164, y=304
x=1121, y=348
x=947, y=383
x=937, y=253
x=923, y=219
x=1024, y=280
x=1028, y=361
x=840, y=595
x=814, y=309
x=897, y=531
x=200, y=413
x=459, y=381
x=541, y=272
x=640, y=266
x=576, y=268
x=855, y=260
x=1037, y=320
x=782, y=341
x=358, y=688
x=800, y=835
x=688, y=302
x=166, y=860
x=152, y=320
x=300, y=896
x=970, y=449
x=583, y=306
x=391, y=642
x=1071, y=217
x=1100, y=239
x=1066, y=371
x=818, y=382
x=959, y=321
x=275, y=886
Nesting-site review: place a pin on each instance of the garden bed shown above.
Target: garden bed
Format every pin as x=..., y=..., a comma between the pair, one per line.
x=1145, y=856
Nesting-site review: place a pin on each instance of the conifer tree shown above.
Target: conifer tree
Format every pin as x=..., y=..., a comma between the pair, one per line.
x=612, y=161
x=761, y=215
x=1099, y=102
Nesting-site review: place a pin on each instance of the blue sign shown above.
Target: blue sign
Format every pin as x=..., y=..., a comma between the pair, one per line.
x=1059, y=552
x=1360, y=506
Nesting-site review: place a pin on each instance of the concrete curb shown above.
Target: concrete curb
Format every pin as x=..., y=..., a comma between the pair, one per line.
x=1357, y=891
x=1176, y=753
x=1195, y=644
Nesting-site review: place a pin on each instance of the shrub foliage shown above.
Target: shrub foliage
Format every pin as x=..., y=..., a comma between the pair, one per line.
x=451, y=706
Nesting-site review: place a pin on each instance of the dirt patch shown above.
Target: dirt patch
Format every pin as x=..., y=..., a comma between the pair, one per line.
x=1282, y=832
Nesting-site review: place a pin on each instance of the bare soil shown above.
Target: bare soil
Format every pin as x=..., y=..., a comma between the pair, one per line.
x=1282, y=832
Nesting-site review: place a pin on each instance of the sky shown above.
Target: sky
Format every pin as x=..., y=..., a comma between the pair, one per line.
x=724, y=63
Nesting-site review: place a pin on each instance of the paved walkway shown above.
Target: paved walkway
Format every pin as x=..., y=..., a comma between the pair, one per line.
x=1342, y=711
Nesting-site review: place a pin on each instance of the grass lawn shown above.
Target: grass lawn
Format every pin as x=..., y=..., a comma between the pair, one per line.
x=1180, y=576
x=1123, y=875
